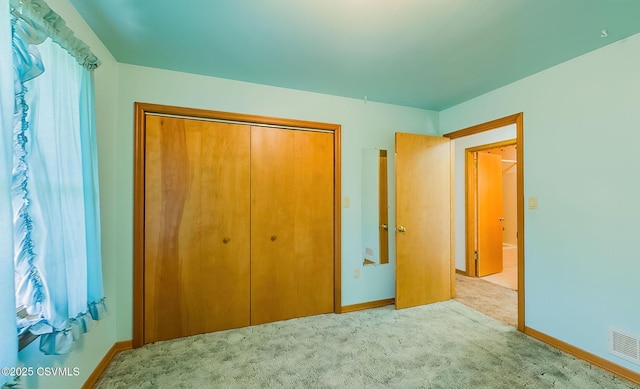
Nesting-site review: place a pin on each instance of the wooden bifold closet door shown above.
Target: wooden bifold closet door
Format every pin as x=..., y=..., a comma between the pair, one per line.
x=197, y=227
x=239, y=226
x=292, y=224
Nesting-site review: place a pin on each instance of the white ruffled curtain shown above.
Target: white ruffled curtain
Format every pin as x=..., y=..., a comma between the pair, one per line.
x=8, y=338
x=49, y=188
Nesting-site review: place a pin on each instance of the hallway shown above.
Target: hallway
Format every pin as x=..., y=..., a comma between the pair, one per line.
x=493, y=300
x=509, y=275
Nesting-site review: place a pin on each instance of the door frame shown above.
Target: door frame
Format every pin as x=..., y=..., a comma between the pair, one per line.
x=470, y=196
x=518, y=120
x=140, y=112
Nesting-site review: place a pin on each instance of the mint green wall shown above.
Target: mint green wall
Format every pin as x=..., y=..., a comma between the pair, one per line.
x=581, y=137
x=364, y=125
x=95, y=344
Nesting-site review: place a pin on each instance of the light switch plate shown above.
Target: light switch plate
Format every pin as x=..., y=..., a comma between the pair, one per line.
x=533, y=202
x=346, y=202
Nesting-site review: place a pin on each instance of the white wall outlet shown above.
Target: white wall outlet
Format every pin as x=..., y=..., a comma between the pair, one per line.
x=356, y=272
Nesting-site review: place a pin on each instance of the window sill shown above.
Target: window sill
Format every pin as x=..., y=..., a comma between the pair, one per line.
x=25, y=339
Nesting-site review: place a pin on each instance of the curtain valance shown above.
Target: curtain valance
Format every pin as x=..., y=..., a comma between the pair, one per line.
x=41, y=18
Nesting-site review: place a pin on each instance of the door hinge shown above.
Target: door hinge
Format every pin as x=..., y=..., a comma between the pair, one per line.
x=475, y=256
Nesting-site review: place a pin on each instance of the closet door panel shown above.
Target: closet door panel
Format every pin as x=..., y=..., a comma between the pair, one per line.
x=292, y=241
x=197, y=227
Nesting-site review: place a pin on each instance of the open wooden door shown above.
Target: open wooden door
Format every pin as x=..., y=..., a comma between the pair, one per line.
x=423, y=214
x=489, y=209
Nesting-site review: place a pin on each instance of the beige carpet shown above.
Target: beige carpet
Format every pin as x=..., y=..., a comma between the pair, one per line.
x=442, y=346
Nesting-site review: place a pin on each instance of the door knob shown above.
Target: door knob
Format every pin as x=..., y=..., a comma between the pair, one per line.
x=402, y=229
x=384, y=227
x=501, y=219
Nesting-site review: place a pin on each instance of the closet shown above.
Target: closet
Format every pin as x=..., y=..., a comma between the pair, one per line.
x=238, y=224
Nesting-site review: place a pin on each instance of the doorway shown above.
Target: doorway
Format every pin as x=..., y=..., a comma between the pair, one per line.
x=491, y=213
x=516, y=121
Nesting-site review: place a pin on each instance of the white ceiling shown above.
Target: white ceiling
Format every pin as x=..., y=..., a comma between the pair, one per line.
x=429, y=54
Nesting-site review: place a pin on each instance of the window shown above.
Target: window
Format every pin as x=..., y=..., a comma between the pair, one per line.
x=49, y=188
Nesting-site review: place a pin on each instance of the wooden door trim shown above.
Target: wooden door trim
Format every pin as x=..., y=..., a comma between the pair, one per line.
x=140, y=112
x=470, y=212
x=452, y=218
x=518, y=120
x=487, y=126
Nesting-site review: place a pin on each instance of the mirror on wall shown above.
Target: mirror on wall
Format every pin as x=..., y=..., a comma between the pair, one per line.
x=375, y=211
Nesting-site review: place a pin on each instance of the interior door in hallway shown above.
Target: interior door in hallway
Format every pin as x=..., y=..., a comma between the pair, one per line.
x=423, y=214
x=489, y=213
x=197, y=227
x=292, y=233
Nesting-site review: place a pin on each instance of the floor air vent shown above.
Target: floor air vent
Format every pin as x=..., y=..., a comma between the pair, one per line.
x=625, y=346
